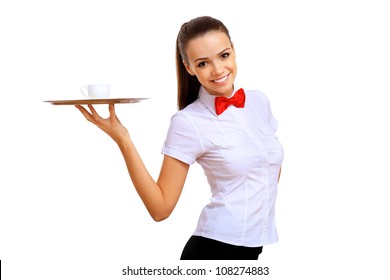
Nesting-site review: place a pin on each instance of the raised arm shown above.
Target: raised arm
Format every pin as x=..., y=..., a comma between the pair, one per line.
x=159, y=197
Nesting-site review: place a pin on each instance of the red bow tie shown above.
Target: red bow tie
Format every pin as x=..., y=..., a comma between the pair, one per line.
x=222, y=103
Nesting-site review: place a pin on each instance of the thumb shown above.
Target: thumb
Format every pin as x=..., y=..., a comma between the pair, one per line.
x=113, y=116
x=111, y=109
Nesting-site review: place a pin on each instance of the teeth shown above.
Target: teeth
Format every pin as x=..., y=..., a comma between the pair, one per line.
x=221, y=80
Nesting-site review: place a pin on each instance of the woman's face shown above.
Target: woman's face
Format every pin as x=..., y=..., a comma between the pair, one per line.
x=212, y=59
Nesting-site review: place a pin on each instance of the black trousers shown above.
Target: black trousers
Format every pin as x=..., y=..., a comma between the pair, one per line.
x=201, y=248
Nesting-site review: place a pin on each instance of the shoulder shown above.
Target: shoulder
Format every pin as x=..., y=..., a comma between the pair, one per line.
x=256, y=95
x=257, y=98
x=191, y=113
x=261, y=105
x=180, y=118
x=184, y=119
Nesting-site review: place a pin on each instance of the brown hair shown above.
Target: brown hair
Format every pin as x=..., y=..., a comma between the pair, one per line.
x=188, y=85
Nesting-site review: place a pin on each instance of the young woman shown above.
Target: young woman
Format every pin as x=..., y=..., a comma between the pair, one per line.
x=229, y=132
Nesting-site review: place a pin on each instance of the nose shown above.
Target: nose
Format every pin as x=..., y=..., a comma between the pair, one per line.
x=217, y=68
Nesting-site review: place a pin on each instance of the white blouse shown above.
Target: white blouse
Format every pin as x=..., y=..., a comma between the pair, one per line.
x=241, y=157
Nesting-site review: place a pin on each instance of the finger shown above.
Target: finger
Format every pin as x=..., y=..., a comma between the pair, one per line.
x=93, y=111
x=84, y=111
x=95, y=114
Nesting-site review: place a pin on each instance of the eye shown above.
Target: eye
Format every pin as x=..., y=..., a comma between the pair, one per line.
x=202, y=64
x=225, y=55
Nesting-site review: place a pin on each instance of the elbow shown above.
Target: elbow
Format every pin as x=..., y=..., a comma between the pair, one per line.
x=158, y=217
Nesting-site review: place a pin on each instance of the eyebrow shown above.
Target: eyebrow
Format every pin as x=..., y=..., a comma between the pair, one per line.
x=203, y=58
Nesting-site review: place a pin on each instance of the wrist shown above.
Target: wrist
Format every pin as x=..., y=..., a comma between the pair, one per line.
x=124, y=142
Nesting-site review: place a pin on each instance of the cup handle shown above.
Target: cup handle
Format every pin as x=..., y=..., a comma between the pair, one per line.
x=84, y=88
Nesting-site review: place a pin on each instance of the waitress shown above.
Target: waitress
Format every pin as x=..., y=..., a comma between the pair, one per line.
x=229, y=131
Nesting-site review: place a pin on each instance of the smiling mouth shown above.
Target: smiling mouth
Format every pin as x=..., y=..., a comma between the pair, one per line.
x=223, y=79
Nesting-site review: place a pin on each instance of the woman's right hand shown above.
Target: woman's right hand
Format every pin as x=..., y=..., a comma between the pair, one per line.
x=160, y=198
x=111, y=125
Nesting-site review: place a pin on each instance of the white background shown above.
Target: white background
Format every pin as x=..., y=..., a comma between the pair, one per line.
x=68, y=209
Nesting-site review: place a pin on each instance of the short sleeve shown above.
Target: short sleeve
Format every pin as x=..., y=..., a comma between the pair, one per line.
x=182, y=141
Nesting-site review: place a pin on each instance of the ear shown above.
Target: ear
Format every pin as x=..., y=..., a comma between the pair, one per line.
x=188, y=67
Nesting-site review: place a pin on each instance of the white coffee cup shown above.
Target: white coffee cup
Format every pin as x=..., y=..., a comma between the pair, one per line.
x=96, y=91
